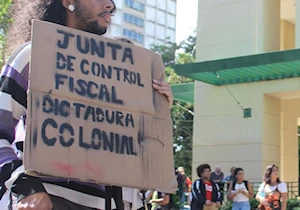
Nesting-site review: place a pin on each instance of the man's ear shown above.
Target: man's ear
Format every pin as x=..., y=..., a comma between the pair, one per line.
x=67, y=3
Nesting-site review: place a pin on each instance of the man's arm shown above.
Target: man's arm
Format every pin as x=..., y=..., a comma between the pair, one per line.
x=222, y=177
x=13, y=104
x=219, y=197
x=197, y=195
x=226, y=179
x=189, y=184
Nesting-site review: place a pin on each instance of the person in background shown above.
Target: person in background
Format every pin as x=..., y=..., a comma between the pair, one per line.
x=132, y=199
x=240, y=191
x=272, y=193
x=33, y=193
x=159, y=200
x=217, y=176
x=204, y=191
x=185, y=184
x=228, y=179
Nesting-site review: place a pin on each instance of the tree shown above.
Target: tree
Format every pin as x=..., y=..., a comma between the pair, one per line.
x=167, y=51
x=182, y=113
x=5, y=21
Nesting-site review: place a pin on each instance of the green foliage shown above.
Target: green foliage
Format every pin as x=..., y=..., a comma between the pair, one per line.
x=5, y=21
x=189, y=45
x=293, y=204
x=254, y=203
x=182, y=113
x=167, y=51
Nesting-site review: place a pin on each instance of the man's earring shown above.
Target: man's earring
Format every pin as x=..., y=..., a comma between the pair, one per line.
x=71, y=7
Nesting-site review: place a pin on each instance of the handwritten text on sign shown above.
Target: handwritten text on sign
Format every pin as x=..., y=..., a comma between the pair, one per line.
x=88, y=77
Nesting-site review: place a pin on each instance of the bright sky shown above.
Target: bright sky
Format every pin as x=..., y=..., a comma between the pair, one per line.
x=186, y=23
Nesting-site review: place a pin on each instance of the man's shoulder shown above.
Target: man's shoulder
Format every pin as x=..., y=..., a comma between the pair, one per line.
x=197, y=181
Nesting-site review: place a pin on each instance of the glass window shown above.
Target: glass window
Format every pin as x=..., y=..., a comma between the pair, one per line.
x=134, y=35
x=135, y=5
x=134, y=20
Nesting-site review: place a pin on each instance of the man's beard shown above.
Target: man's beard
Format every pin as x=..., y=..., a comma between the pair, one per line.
x=95, y=28
x=85, y=24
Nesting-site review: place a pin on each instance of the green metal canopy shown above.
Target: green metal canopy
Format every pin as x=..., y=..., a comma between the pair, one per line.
x=183, y=92
x=252, y=68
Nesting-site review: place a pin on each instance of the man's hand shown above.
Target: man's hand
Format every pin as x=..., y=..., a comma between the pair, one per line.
x=165, y=89
x=37, y=201
x=208, y=203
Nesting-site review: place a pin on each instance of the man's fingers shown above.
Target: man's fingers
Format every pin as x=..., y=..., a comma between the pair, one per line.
x=158, y=87
x=161, y=83
x=165, y=92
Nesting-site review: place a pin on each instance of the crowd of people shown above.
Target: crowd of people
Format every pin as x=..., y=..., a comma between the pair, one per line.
x=207, y=194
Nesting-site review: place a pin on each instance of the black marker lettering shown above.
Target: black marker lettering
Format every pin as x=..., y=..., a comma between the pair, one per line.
x=65, y=43
x=128, y=54
x=46, y=140
x=69, y=128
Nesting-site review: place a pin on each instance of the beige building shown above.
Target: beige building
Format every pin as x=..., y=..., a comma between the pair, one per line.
x=247, y=86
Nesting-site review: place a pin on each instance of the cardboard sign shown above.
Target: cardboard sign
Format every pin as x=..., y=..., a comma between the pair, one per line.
x=93, y=114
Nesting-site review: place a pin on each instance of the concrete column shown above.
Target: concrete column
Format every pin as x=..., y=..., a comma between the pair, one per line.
x=289, y=140
x=297, y=23
x=270, y=24
x=271, y=132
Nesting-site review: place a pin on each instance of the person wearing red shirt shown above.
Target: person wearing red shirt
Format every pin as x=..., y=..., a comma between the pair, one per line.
x=204, y=191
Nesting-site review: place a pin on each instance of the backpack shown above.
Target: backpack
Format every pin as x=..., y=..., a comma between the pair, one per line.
x=246, y=185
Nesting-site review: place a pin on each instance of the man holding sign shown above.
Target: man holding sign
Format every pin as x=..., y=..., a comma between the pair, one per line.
x=31, y=193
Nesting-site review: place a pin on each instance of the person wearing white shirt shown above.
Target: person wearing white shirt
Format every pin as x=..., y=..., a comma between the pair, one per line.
x=131, y=198
x=240, y=191
x=272, y=193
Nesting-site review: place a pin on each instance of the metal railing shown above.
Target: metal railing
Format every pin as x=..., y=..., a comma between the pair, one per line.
x=293, y=189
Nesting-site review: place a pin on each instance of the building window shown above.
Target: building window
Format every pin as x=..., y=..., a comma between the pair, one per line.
x=134, y=20
x=134, y=35
x=135, y=5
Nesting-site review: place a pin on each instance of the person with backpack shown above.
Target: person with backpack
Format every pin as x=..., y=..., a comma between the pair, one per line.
x=205, y=193
x=240, y=191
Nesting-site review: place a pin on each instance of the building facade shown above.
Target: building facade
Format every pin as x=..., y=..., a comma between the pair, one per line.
x=247, y=89
x=146, y=22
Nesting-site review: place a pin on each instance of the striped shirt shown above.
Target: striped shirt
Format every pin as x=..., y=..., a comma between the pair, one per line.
x=13, y=104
